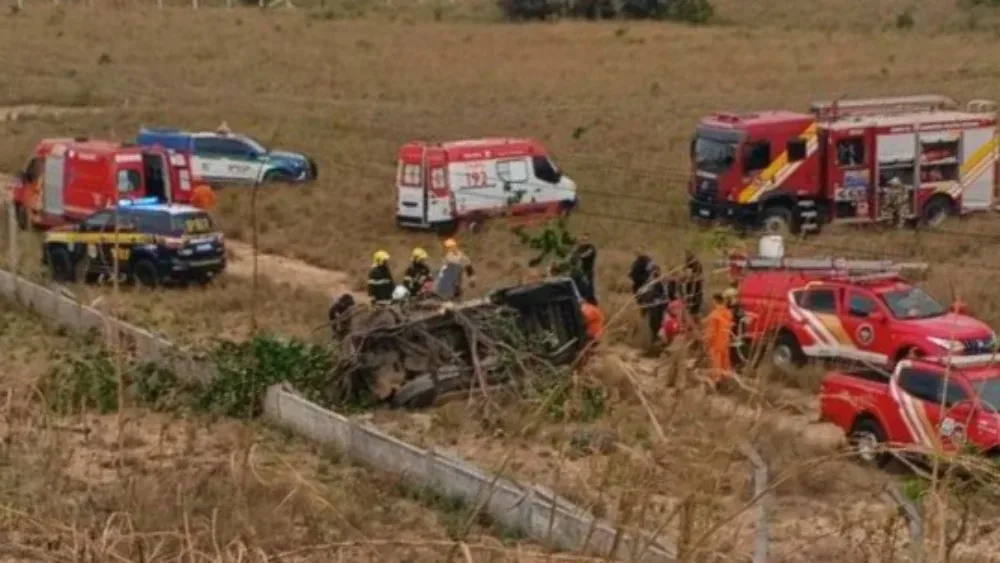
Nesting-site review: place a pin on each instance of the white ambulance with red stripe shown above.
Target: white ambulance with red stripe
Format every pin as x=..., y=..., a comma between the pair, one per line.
x=945, y=406
x=849, y=310
x=440, y=185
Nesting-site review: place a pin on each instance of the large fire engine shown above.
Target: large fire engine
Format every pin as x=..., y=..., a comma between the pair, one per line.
x=440, y=185
x=66, y=180
x=785, y=170
x=854, y=310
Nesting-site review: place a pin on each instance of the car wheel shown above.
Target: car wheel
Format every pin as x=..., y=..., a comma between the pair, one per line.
x=416, y=394
x=787, y=355
x=777, y=220
x=146, y=274
x=867, y=439
x=277, y=176
x=936, y=211
x=61, y=265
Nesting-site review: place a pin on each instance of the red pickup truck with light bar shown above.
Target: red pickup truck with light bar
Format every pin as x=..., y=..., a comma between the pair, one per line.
x=926, y=405
x=857, y=310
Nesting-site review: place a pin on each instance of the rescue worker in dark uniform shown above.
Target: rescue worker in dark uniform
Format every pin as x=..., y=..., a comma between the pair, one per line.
x=417, y=273
x=340, y=319
x=652, y=300
x=694, y=280
x=585, y=255
x=639, y=272
x=380, y=283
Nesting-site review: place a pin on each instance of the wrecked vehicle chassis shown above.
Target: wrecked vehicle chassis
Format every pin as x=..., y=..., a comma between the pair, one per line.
x=413, y=354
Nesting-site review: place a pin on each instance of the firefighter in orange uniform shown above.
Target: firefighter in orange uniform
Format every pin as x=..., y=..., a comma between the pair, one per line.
x=593, y=319
x=718, y=337
x=203, y=197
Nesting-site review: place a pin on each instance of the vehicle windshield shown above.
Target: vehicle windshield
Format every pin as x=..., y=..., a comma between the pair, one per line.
x=713, y=154
x=253, y=144
x=167, y=224
x=988, y=391
x=912, y=303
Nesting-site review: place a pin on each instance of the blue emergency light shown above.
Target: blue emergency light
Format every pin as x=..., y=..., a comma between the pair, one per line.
x=139, y=202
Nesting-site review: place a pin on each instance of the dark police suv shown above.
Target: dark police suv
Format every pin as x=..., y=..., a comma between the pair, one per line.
x=154, y=243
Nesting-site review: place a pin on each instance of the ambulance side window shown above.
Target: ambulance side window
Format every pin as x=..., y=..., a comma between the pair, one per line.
x=514, y=171
x=851, y=152
x=756, y=156
x=545, y=170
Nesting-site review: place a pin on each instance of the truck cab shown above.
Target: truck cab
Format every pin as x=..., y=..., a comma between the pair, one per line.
x=223, y=157
x=939, y=405
x=851, y=311
x=66, y=180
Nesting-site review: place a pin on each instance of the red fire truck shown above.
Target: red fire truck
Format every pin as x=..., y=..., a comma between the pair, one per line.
x=849, y=310
x=928, y=405
x=780, y=170
x=68, y=179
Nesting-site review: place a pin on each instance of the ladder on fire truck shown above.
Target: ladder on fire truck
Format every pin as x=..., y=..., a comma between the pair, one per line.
x=836, y=109
x=854, y=270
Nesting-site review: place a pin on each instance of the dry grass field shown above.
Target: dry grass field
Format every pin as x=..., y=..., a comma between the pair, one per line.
x=163, y=486
x=348, y=82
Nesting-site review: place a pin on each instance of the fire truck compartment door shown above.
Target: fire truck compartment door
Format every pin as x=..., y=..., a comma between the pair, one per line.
x=979, y=156
x=896, y=149
x=52, y=187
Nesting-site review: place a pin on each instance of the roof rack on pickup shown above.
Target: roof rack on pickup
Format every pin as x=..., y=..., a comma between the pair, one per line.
x=841, y=266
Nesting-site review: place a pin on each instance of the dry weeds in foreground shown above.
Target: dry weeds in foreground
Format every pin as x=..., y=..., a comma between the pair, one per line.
x=175, y=486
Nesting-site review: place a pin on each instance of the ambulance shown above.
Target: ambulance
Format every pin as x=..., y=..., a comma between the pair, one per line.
x=441, y=185
x=66, y=180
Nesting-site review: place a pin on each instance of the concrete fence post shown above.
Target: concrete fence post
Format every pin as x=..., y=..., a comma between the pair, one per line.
x=914, y=520
x=762, y=499
x=526, y=512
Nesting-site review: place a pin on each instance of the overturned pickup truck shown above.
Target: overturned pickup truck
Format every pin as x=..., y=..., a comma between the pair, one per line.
x=412, y=354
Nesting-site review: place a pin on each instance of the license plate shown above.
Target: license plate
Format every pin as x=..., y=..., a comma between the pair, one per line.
x=703, y=212
x=203, y=247
x=198, y=263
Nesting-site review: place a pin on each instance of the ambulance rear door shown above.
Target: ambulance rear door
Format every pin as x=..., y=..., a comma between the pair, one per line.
x=411, y=205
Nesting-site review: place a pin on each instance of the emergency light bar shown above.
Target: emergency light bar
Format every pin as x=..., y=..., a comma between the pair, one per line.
x=138, y=202
x=840, y=265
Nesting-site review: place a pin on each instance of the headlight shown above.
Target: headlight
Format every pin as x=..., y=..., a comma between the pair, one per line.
x=951, y=345
x=184, y=252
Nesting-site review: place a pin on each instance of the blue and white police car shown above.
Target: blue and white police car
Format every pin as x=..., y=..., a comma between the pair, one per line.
x=223, y=157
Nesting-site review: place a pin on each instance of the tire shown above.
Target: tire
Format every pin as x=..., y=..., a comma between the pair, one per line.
x=277, y=176
x=416, y=394
x=61, y=265
x=144, y=273
x=867, y=439
x=21, y=216
x=787, y=354
x=937, y=210
x=777, y=220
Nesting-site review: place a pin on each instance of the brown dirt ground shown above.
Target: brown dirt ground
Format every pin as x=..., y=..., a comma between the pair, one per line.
x=169, y=482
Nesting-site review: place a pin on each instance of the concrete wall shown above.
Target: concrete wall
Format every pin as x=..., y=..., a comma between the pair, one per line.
x=534, y=510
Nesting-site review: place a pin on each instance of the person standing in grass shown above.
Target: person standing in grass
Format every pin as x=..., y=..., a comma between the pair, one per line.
x=380, y=283
x=203, y=197
x=718, y=339
x=584, y=256
x=455, y=257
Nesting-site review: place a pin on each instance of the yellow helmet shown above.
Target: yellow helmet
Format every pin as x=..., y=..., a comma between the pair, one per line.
x=381, y=257
x=450, y=244
x=419, y=255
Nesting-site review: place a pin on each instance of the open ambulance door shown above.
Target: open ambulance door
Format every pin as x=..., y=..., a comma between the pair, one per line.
x=411, y=182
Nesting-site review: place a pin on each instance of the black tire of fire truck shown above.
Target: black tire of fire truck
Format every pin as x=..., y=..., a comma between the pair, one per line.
x=21, y=216
x=60, y=265
x=144, y=273
x=939, y=208
x=867, y=439
x=777, y=219
x=787, y=354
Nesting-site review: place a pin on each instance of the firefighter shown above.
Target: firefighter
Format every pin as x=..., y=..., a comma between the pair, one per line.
x=731, y=298
x=380, y=284
x=584, y=256
x=203, y=197
x=340, y=319
x=694, y=281
x=652, y=300
x=593, y=318
x=639, y=272
x=417, y=273
x=895, y=200
x=675, y=335
x=453, y=255
x=718, y=338
x=223, y=129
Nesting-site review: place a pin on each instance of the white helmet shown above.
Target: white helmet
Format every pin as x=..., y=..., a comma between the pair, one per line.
x=400, y=293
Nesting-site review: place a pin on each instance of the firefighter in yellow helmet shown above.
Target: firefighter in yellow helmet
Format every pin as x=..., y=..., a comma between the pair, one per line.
x=418, y=273
x=380, y=283
x=453, y=255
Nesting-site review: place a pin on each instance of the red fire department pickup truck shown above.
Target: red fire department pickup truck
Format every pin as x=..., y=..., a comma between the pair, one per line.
x=855, y=310
x=926, y=405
